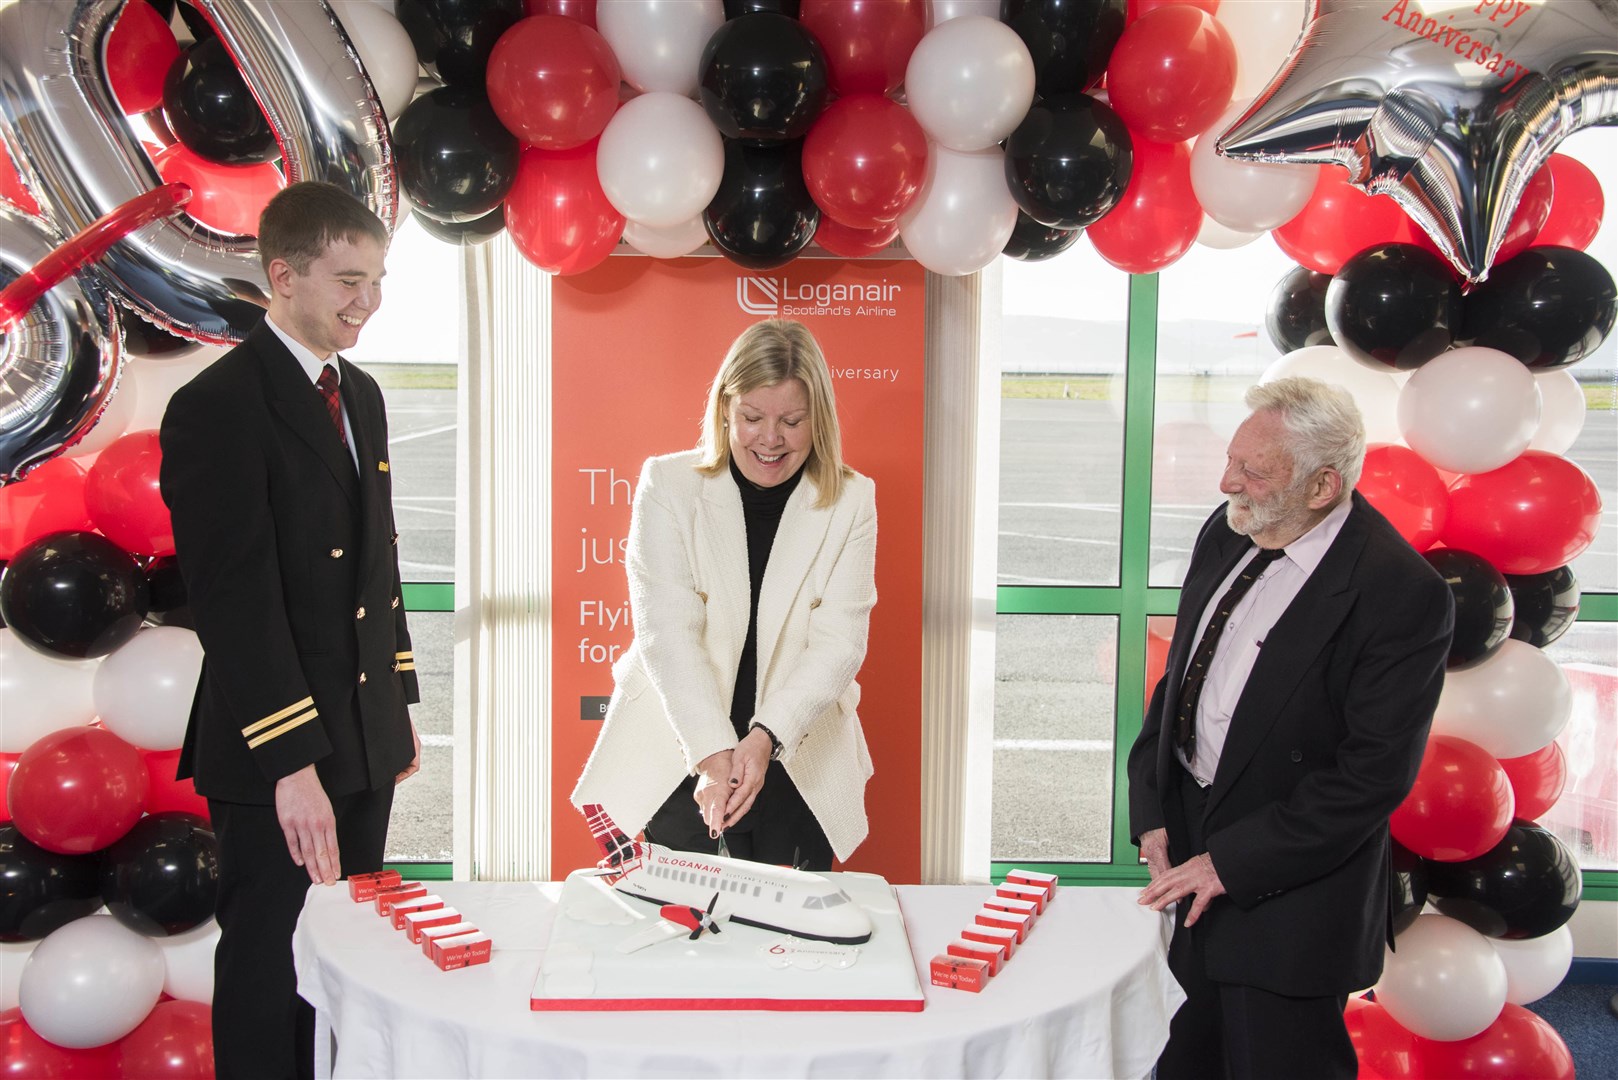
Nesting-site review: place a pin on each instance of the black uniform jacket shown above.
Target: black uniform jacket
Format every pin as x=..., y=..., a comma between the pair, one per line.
x=291, y=566
x=1324, y=744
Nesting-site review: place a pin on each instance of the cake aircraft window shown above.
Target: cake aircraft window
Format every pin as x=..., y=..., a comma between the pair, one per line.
x=812, y=903
x=779, y=896
x=837, y=899
x=756, y=890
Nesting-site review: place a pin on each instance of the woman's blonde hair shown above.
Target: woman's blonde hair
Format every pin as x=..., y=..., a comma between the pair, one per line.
x=767, y=354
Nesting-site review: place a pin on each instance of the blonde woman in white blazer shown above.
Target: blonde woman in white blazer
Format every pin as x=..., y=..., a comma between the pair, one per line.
x=751, y=561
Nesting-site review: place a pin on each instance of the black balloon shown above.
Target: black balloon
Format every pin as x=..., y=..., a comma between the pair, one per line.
x=1070, y=40
x=735, y=9
x=1296, y=317
x=1407, y=886
x=164, y=8
x=462, y=233
x=210, y=109
x=456, y=160
x=41, y=890
x=141, y=338
x=1549, y=307
x=1547, y=605
x=165, y=590
x=453, y=38
x=1394, y=307
x=763, y=78
x=74, y=594
x=1069, y=161
x=1033, y=242
x=201, y=29
x=762, y=215
x=162, y=877
x=1524, y=887
x=1483, y=605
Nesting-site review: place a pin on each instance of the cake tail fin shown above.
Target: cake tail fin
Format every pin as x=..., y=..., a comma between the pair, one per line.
x=616, y=848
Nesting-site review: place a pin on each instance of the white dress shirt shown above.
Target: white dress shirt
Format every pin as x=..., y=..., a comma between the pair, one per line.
x=1254, y=616
x=312, y=366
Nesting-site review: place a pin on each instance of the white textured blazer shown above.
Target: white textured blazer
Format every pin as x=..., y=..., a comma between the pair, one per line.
x=690, y=595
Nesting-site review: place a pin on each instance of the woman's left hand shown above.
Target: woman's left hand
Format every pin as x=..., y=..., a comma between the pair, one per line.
x=748, y=764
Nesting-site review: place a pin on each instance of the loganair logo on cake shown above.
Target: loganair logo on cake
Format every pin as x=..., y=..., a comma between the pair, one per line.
x=772, y=297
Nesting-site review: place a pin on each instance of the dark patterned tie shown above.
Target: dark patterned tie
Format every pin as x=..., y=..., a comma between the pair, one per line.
x=1196, y=673
x=327, y=385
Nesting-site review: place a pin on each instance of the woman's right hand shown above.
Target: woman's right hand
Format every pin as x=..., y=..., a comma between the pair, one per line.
x=713, y=791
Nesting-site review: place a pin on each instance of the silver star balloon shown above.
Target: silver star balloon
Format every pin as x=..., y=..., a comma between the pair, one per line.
x=1447, y=106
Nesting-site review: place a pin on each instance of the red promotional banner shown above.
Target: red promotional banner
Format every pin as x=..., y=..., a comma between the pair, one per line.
x=636, y=343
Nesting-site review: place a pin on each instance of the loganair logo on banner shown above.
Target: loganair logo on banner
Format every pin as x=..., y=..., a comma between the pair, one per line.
x=783, y=297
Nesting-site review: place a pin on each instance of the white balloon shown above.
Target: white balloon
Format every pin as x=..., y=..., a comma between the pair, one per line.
x=90, y=982
x=13, y=955
x=40, y=694
x=659, y=43
x=1373, y=391
x=1561, y=413
x=1220, y=238
x=143, y=692
x=1264, y=32
x=1247, y=196
x=940, y=11
x=115, y=417
x=970, y=82
x=188, y=962
x=1470, y=410
x=1512, y=704
x=660, y=159
x=156, y=381
x=666, y=243
x=1443, y=981
x=386, y=54
x=965, y=213
x=1535, y=966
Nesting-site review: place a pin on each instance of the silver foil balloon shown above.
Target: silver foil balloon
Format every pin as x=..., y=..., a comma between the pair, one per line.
x=79, y=159
x=1447, y=106
x=59, y=363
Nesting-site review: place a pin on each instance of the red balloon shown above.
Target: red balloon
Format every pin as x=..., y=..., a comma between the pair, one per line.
x=847, y=243
x=864, y=160
x=122, y=495
x=140, y=50
x=1171, y=73
x=1536, y=780
x=1137, y=8
x=1576, y=204
x=1461, y=805
x=583, y=11
x=1384, y=1047
x=175, y=1040
x=1531, y=515
x=867, y=42
x=1157, y=220
x=226, y=198
x=1407, y=490
x=1533, y=210
x=1157, y=660
x=11, y=189
x=8, y=765
x=50, y=500
x=556, y=212
x=26, y=1055
x=1339, y=222
x=553, y=81
x=1518, y=1044
x=163, y=792
x=77, y=790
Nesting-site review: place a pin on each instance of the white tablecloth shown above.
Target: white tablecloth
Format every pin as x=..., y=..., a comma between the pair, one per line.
x=1089, y=995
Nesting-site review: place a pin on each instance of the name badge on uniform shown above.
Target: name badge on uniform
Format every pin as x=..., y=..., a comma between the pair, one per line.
x=381, y=466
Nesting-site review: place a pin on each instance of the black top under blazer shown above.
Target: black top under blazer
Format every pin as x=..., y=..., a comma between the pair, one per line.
x=291, y=567
x=1323, y=745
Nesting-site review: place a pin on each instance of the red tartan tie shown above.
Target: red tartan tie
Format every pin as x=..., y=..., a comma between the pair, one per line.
x=327, y=385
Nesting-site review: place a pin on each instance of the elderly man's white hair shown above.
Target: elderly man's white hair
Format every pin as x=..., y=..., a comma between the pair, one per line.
x=1323, y=425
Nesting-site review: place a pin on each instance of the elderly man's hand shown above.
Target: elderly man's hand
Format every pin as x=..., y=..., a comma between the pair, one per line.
x=1154, y=848
x=1194, y=877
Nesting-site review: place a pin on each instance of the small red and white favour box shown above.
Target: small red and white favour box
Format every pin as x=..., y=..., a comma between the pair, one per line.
x=960, y=972
x=461, y=950
x=433, y=933
x=1013, y=891
x=993, y=935
x=978, y=950
x=362, y=888
x=400, y=908
x=1021, y=907
x=415, y=922
x=1007, y=920
x=1035, y=878
x=388, y=897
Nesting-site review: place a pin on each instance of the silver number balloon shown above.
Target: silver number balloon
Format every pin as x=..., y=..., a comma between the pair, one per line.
x=59, y=362
x=80, y=160
x=1448, y=107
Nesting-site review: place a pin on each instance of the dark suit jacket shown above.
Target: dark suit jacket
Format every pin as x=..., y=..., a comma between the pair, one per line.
x=1324, y=744
x=292, y=575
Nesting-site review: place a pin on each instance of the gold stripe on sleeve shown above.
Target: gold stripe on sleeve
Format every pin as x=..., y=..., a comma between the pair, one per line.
x=276, y=732
x=406, y=666
x=275, y=717
x=404, y=656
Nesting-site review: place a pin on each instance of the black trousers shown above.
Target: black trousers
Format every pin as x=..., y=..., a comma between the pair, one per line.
x=780, y=828
x=261, y=1027
x=1243, y=1032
